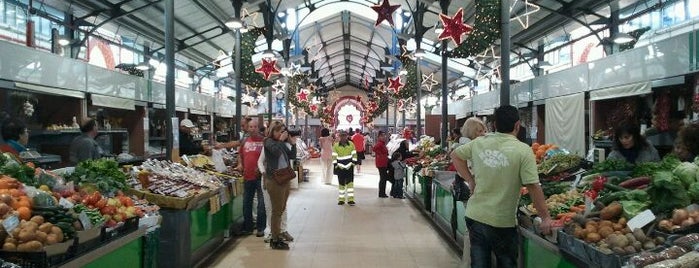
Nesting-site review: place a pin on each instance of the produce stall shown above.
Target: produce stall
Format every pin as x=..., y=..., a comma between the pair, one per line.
x=199, y=205
x=71, y=216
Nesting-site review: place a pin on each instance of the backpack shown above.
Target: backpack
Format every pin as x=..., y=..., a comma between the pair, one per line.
x=390, y=170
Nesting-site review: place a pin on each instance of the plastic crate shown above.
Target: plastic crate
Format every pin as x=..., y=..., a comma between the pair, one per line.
x=130, y=225
x=34, y=259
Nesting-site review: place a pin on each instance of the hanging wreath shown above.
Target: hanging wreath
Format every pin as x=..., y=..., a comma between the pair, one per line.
x=486, y=29
x=248, y=75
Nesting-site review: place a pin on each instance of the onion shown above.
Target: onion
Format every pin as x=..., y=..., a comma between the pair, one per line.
x=679, y=215
x=4, y=208
x=6, y=198
x=665, y=225
x=687, y=222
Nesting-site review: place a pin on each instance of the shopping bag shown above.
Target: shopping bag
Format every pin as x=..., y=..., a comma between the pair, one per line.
x=217, y=157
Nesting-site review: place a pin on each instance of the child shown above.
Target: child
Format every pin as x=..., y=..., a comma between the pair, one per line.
x=398, y=175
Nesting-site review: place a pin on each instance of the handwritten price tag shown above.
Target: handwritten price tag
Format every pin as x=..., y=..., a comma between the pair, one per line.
x=10, y=223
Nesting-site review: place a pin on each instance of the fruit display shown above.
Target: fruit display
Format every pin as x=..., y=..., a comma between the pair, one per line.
x=540, y=150
x=564, y=205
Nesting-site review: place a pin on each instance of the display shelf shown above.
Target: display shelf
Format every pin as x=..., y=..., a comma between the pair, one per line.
x=92, y=258
x=539, y=252
x=76, y=131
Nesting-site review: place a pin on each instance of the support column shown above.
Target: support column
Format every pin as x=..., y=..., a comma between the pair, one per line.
x=237, y=5
x=505, y=52
x=418, y=131
x=170, y=76
x=445, y=108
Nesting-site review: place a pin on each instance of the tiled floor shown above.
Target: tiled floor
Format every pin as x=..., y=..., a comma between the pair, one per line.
x=376, y=232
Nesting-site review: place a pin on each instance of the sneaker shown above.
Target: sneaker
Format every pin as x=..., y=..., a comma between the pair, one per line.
x=286, y=237
x=340, y=203
x=279, y=244
x=268, y=238
x=260, y=234
x=383, y=196
x=351, y=203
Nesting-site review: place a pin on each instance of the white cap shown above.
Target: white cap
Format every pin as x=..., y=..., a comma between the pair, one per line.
x=186, y=123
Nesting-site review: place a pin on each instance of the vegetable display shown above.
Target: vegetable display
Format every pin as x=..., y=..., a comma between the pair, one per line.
x=103, y=175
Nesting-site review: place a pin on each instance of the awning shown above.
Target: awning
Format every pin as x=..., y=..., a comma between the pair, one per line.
x=621, y=91
x=200, y=112
x=50, y=90
x=113, y=102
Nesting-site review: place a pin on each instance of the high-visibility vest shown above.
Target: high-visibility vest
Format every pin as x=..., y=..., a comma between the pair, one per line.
x=344, y=156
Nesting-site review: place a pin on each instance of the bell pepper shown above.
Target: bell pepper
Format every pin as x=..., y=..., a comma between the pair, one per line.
x=598, y=184
x=592, y=194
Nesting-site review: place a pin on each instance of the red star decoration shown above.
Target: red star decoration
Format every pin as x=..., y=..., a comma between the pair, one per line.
x=396, y=84
x=313, y=108
x=401, y=105
x=385, y=11
x=372, y=105
x=454, y=27
x=302, y=95
x=268, y=68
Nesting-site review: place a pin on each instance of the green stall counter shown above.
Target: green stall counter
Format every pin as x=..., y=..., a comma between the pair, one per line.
x=538, y=252
x=444, y=203
x=127, y=251
x=205, y=226
x=460, y=218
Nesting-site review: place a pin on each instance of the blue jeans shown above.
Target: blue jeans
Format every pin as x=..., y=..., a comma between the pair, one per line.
x=251, y=188
x=397, y=188
x=486, y=239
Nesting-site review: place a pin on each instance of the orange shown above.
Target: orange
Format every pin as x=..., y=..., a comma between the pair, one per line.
x=24, y=213
x=15, y=192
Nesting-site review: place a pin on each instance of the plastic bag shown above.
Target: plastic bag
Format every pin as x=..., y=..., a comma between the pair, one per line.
x=217, y=157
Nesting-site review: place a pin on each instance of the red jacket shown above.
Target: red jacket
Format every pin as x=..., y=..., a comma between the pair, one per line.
x=380, y=154
x=358, y=140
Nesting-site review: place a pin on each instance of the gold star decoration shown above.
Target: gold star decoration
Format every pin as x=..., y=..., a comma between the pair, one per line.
x=406, y=53
x=250, y=19
x=529, y=9
x=428, y=81
x=488, y=53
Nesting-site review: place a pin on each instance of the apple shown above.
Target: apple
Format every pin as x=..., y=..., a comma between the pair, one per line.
x=118, y=217
x=112, y=202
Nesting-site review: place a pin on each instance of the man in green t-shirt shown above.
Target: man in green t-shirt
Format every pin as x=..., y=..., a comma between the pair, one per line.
x=501, y=164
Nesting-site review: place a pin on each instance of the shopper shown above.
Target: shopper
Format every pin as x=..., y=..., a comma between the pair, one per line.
x=16, y=136
x=404, y=150
x=235, y=143
x=326, y=156
x=472, y=129
x=248, y=154
x=279, y=148
x=358, y=140
x=687, y=143
x=456, y=139
x=501, y=164
x=268, y=208
x=189, y=145
x=85, y=147
x=398, y=175
x=381, y=160
x=344, y=158
x=630, y=146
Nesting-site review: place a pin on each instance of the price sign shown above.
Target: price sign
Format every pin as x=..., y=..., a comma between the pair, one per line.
x=65, y=203
x=642, y=219
x=10, y=223
x=85, y=220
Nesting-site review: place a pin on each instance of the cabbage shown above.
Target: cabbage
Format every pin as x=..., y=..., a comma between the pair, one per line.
x=693, y=192
x=687, y=173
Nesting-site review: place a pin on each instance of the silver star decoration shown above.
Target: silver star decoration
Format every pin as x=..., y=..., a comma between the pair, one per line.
x=428, y=81
x=294, y=69
x=279, y=87
x=488, y=53
x=529, y=9
x=406, y=52
x=315, y=49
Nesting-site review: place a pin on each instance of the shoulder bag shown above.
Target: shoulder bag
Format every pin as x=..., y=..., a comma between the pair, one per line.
x=285, y=174
x=460, y=189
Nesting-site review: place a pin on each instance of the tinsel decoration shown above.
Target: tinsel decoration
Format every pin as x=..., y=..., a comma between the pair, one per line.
x=486, y=29
x=248, y=75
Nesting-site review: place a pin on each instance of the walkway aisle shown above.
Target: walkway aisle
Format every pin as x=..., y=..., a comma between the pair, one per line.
x=376, y=232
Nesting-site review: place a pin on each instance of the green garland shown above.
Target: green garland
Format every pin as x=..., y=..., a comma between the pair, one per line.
x=636, y=34
x=486, y=29
x=382, y=100
x=248, y=75
x=411, y=84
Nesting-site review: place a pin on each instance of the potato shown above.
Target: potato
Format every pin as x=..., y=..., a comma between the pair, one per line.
x=593, y=238
x=619, y=250
x=9, y=247
x=32, y=226
x=640, y=235
x=637, y=245
x=622, y=221
x=37, y=219
x=34, y=245
x=605, y=231
x=619, y=241
x=612, y=211
x=605, y=223
x=11, y=240
x=46, y=227
x=51, y=239
x=630, y=250
x=59, y=234
x=25, y=235
x=648, y=245
x=631, y=238
x=41, y=236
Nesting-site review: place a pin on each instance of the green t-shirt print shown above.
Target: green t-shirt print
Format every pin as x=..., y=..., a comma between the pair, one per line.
x=501, y=164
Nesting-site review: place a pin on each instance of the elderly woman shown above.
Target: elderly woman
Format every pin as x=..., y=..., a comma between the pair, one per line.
x=472, y=129
x=279, y=147
x=630, y=146
x=687, y=143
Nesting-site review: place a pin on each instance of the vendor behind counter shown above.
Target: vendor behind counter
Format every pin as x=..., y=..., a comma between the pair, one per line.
x=15, y=136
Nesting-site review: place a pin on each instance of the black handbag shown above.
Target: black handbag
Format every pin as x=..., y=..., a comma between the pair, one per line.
x=460, y=190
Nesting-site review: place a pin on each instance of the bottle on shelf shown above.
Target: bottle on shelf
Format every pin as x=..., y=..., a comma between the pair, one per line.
x=75, y=123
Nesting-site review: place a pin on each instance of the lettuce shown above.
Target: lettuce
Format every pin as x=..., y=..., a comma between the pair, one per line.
x=693, y=192
x=687, y=173
x=667, y=192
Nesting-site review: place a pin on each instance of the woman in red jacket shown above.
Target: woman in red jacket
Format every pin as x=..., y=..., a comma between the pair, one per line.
x=381, y=160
